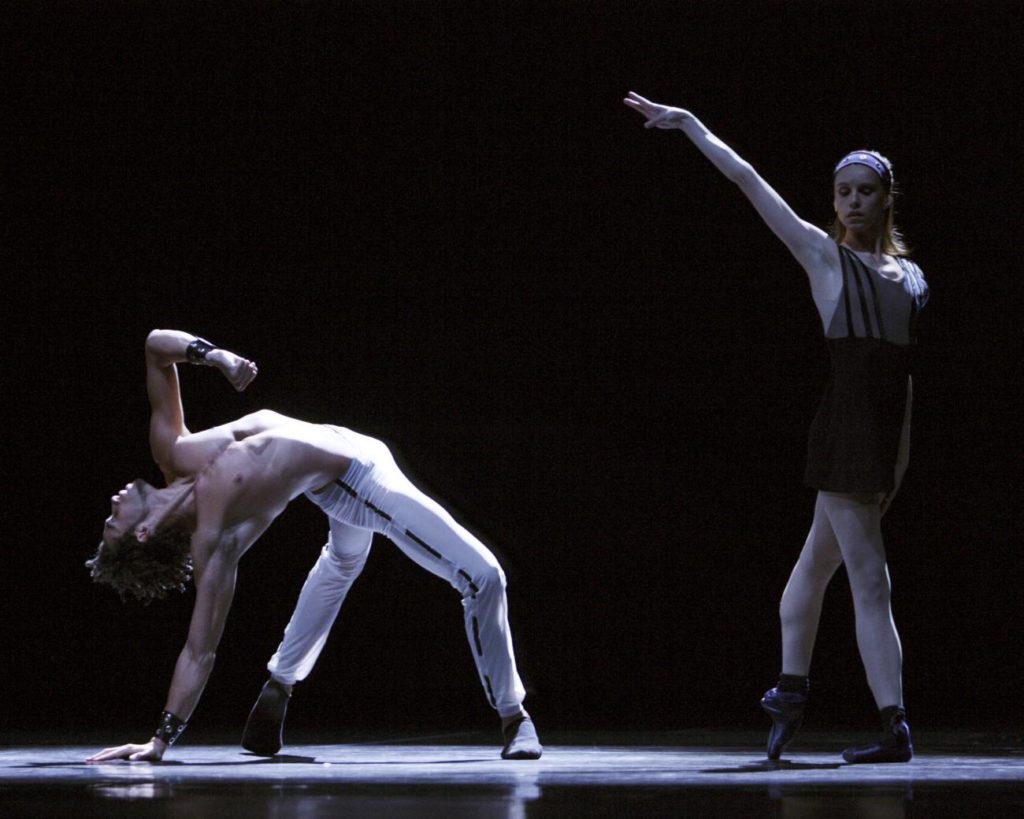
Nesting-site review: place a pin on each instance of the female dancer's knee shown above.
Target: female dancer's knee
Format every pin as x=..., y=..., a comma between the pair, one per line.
x=870, y=586
x=801, y=598
x=807, y=583
x=792, y=610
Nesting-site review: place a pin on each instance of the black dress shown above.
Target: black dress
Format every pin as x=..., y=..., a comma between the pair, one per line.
x=871, y=339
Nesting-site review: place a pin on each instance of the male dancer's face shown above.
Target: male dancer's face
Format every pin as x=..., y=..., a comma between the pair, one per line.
x=127, y=509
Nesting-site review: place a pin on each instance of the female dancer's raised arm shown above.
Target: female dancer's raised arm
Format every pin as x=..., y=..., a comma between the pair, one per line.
x=811, y=246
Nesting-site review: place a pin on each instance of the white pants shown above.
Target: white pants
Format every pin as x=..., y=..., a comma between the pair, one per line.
x=374, y=496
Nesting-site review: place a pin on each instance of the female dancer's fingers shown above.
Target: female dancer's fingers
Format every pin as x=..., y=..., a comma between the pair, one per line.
x=651, y=114
x=638, y=103
x=636, y=98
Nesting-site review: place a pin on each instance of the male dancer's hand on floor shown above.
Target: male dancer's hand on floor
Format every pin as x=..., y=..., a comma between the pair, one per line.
x=152, y=751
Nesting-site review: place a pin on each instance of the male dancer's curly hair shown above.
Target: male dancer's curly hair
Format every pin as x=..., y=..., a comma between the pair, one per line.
x=147, y=571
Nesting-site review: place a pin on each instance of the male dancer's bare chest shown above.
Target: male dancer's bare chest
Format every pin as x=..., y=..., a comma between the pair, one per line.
x=193, y=453
x=261, y=474
x=244, y=488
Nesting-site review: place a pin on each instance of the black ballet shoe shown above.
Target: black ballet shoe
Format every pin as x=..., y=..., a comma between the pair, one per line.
x=264, y=730
x=521, y=741
x=786, y=708
x=894, y=747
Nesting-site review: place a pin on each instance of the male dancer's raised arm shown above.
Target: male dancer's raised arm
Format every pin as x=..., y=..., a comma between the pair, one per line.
x=164, y=350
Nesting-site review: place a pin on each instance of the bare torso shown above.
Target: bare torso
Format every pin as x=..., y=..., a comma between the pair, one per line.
x=247, y=471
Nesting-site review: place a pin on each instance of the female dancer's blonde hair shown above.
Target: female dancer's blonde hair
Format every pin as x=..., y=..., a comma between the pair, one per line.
x=893, y=242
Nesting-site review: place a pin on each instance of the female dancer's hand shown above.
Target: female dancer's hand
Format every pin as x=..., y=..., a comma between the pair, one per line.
x=658, y=116
x=886, y=501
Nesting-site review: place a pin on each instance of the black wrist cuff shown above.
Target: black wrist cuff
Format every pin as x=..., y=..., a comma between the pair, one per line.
x=197, y=350
x=170, y=728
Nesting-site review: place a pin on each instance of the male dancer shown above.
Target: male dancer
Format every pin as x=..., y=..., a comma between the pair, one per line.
x=226, y=485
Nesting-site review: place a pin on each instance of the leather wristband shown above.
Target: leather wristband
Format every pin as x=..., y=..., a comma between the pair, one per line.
x=197, y=350
x=170, y=728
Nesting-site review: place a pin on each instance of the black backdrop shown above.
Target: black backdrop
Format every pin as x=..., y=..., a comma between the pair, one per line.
x=438, y=224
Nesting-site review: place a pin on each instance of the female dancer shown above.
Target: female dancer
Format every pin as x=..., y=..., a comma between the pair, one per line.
x=868, y=294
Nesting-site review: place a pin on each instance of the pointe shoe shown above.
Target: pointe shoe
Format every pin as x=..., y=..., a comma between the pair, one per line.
x=895, y=745
x=786, y=708
x=521, y=741
x=264, y=730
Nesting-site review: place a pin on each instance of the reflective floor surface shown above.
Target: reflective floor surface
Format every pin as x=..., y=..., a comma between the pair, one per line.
x=683, y=775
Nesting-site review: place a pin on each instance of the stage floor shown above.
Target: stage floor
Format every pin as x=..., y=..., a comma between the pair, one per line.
x=698, y=774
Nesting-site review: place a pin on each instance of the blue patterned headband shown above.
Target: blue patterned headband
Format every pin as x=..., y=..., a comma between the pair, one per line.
x=868, y=159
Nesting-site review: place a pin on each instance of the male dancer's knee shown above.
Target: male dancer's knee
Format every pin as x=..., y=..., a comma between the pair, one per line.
x=347, y=548
x=484, y=583
x=342, y=565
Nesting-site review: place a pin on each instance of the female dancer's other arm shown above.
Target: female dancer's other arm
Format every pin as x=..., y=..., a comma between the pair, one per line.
x=903, y=453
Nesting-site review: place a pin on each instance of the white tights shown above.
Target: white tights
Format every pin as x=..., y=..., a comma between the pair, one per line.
x=374, y=495
x=846, y=529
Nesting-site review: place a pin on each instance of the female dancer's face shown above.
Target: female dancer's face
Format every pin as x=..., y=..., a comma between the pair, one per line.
x=860, y=199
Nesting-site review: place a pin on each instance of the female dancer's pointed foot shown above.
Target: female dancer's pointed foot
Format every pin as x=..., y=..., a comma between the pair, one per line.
x=895, y=745
x=786, y=708
x=521, y=741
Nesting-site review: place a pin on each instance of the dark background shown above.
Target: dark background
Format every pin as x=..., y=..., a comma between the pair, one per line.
x=438, y=224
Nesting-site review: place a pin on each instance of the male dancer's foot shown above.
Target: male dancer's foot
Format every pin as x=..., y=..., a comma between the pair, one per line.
x=895, y=745
x=521, y=741
x=785, y=705
x=264, y=730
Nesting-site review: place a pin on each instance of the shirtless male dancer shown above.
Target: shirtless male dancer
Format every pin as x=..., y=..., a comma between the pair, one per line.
x=226, y=485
